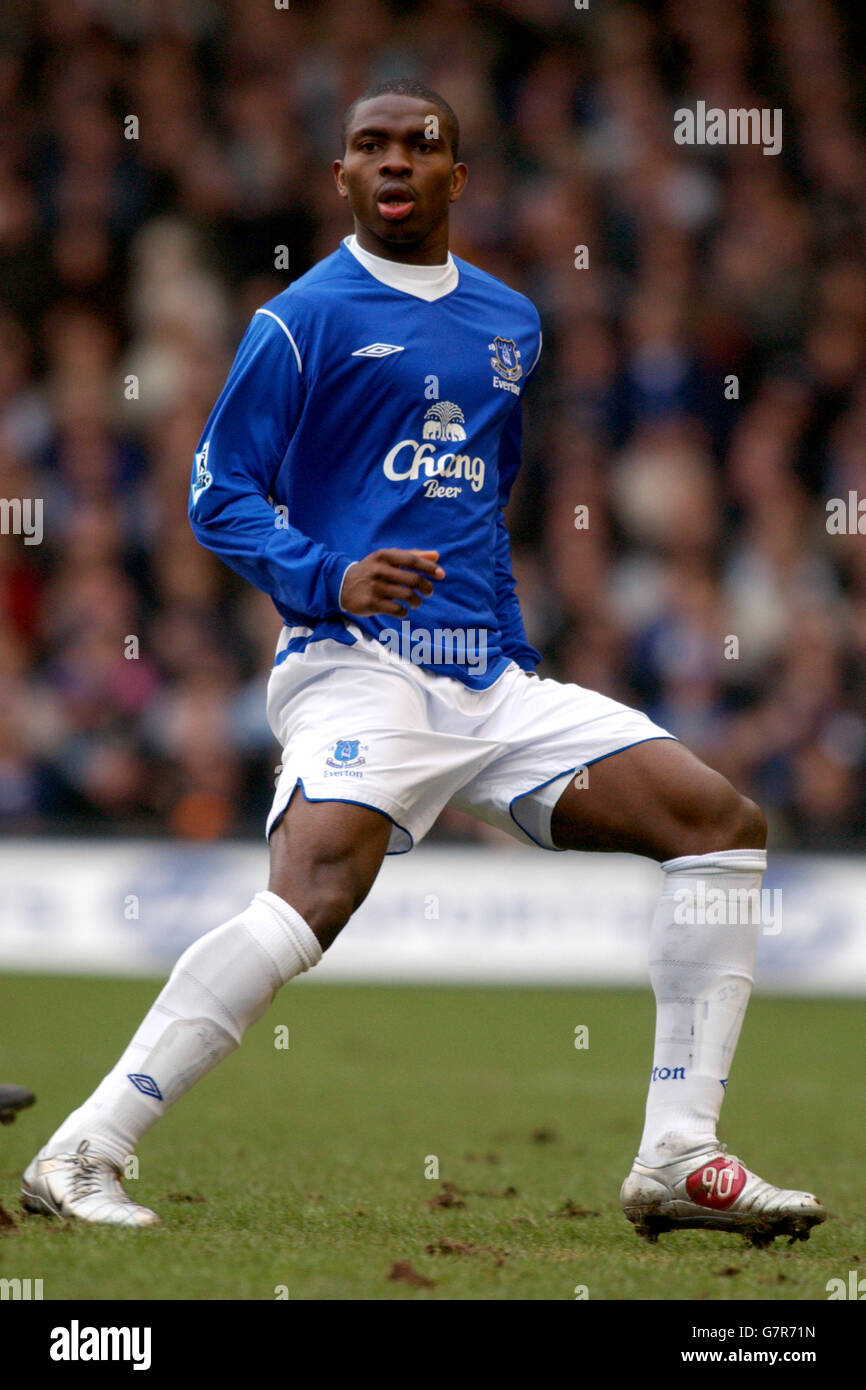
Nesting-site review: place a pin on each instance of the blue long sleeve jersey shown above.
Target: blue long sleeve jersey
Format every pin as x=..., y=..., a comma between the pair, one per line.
x=357, y=417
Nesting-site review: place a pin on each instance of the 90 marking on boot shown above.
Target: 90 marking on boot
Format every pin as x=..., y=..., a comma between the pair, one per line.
x=713, y=1191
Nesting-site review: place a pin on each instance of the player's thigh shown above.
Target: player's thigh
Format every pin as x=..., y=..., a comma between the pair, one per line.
x=657, y=799
x=325, y=856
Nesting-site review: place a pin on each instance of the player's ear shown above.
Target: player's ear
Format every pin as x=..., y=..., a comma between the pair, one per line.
x=340, y=178
x=459, y=175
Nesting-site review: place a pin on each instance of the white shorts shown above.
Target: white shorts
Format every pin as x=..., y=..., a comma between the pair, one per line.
x=360, y=724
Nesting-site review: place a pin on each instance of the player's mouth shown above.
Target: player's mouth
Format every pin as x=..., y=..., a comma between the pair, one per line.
x=395, y=203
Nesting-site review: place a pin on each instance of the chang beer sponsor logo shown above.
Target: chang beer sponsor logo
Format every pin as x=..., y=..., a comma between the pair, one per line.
x=412, y=459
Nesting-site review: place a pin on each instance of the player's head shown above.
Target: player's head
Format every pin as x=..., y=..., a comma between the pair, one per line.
x=410, y=87
x=399, y=169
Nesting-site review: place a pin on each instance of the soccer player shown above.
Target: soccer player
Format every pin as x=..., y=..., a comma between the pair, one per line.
x=355, y=467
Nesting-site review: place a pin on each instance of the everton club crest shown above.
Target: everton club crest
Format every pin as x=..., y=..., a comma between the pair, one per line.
x=345, y=754
x=506, y=364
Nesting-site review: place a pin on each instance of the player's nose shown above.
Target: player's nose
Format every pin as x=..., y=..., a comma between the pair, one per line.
x=395, y=161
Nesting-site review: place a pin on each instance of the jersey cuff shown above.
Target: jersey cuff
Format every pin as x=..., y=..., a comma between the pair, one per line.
x=527, y=658
x=342, y=582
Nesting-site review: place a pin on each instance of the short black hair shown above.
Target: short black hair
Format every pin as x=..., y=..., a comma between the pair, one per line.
x=409, y=87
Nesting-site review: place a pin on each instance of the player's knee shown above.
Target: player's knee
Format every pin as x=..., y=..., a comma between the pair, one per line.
x=752, y=829
x=729, y=821
x=326, y=899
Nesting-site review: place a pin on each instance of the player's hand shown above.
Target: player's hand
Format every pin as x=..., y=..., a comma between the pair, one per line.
x=389, y=581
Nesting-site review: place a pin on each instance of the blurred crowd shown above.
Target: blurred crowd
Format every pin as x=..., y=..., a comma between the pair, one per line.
x=702, y=391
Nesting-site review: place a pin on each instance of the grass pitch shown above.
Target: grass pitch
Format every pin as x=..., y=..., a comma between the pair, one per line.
x=301, y=1171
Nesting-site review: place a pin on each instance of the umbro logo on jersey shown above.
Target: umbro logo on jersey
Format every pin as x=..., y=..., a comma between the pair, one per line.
x=377, y=350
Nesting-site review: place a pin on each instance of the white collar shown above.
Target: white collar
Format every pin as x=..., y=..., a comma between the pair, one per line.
x=423, y=281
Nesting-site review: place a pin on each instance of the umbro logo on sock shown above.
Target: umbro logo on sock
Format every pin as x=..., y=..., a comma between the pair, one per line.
x=146, y=1085
x=377, y=350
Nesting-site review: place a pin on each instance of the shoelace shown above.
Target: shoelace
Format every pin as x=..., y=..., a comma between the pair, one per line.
x=89, y=1174
x=723, y=1148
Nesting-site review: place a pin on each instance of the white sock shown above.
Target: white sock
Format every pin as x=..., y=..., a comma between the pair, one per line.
x=220, y=985
x=702, y=952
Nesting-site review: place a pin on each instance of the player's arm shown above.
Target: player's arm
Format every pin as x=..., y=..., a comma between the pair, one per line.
x=515, y=643
x=239, y=454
